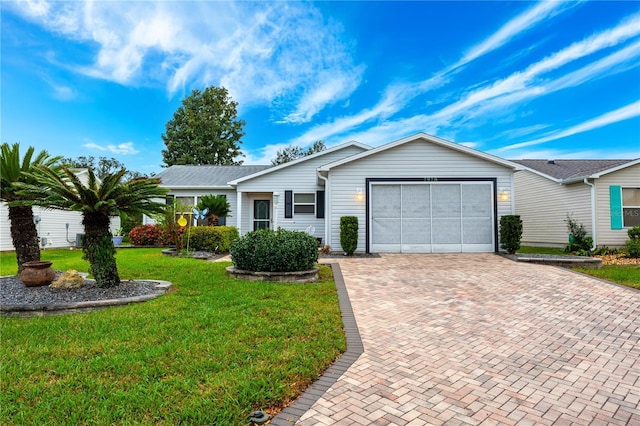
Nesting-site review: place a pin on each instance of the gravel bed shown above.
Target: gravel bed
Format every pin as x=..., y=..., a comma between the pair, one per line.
x=13, y=292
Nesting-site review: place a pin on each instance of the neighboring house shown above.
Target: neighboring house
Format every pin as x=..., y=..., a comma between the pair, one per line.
x=56, y=228
x=417, y=194
x=603, y=195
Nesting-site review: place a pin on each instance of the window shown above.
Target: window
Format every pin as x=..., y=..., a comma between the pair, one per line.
x=630, y=207
x=304, y=203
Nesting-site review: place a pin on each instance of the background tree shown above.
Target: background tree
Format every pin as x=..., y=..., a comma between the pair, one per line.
x=204, y=130
x=14, y=170
x=102, y=167
x=293, y=152
x=97, y=200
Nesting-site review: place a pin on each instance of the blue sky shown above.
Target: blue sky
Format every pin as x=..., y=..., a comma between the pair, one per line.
x=514, y=79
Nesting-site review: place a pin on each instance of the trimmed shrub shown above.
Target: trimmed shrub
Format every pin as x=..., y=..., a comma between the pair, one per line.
x=215, y=239
x=349, y=234
x=510, y=233
x=578, y=239
x=145, y=235
x=633, y=243
x=266, y=250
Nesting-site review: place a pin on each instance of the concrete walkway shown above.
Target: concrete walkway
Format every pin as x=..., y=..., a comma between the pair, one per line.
x=479, y=339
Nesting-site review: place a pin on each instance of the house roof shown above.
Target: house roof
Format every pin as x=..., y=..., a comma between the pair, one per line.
x=300, y=160
x=429, y=138
x=204, y=176
x=573, y=170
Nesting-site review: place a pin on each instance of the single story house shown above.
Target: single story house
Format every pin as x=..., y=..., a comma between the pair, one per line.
x=603, y=195
x=56, y=228
x=418, y=194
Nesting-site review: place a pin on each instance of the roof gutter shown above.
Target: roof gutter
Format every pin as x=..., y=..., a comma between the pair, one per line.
x=593, y=212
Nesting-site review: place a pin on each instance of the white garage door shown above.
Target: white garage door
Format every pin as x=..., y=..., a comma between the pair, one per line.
x=431, y=217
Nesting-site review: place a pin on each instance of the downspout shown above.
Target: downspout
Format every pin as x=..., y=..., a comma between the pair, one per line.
x=593, y=212
x=326, y=207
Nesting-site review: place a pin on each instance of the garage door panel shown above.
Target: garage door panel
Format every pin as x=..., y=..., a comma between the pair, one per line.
x=445, y=200
x=445, y=233
x=416, y=201
x=416, y=231
x=386, y=231
x=477, y=231
x=476, y=200
x=385, y=201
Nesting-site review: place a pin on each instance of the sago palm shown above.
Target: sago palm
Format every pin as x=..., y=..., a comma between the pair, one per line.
x=218, y=206
x=97, y=200
x=13, y=170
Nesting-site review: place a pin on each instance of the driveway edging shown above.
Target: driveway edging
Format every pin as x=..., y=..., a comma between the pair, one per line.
x=355, y=348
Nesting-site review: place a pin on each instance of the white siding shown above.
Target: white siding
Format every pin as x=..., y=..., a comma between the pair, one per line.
x=543, y=206
x=629, y=177
x=52, y=226
x=197, y=193
x=416, y=159
x=299, y=178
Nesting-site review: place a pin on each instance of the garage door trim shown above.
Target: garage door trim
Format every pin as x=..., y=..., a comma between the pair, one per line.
x=427, y=180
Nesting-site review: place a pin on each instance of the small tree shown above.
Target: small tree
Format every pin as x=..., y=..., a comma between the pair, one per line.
x=510, y=233
x=578, y=239
x=349, y=234
x=14, y=170
x=204, y=130
x=293, y=152
x=218, y=206
x=98, y=201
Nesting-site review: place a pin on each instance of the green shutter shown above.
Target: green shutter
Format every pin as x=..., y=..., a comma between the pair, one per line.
x=615, y=200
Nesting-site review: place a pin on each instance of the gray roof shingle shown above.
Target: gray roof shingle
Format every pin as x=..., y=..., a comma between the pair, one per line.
x=570, y=169
x=204, y=176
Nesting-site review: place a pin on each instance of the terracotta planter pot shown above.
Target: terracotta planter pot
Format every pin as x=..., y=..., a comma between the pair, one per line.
x=37, y=273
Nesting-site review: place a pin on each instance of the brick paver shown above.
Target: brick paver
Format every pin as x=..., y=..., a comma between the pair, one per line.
x=478, y=339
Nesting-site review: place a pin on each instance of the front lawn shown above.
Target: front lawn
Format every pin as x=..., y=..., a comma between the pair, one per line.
x=628, y=275
x=209, y=352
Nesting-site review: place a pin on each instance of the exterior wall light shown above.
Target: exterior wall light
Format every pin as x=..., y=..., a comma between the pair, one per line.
x=359, y=194
x=503, y=195
x=276, y=198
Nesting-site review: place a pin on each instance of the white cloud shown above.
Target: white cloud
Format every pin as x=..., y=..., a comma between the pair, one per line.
x=263, y=53
x=125, y=148
x=626, y=112
x=64, y=93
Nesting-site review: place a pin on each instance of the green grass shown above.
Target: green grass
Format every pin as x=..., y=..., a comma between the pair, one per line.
x=558, y=251
x=209, y=352
x=628, y=275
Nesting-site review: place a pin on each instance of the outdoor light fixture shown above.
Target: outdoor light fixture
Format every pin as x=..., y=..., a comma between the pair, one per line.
x=276, y=198
x=503, y=195
x=359, y=194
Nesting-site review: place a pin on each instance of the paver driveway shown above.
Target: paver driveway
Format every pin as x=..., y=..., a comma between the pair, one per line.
x=479, y=339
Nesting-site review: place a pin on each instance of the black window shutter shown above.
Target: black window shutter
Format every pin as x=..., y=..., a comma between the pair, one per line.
x=320, y=204
x=288, y=204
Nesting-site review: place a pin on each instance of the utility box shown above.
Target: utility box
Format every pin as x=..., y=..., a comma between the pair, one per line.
x=79, y=240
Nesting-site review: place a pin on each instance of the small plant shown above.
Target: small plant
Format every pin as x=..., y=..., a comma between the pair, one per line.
x=325, y=249
x=117, y=233
x=349, y=234
x=633, y=243
x=218, y=206
x=266, y=250
x=510, y=233
x=578, y=239
x=604, y=251
x=215, y=239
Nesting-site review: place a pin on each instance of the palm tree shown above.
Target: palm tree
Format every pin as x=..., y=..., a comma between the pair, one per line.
x=98, y=201
x=218, y=207
x=14, y=170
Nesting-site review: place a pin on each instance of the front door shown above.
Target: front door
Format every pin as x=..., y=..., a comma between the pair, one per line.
x=261, y=214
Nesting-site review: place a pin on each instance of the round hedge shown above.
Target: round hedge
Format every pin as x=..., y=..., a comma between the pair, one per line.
x=266, y=250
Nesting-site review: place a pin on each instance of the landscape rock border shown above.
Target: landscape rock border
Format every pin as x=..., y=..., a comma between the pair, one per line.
x=39, y=310
x=308, y=276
